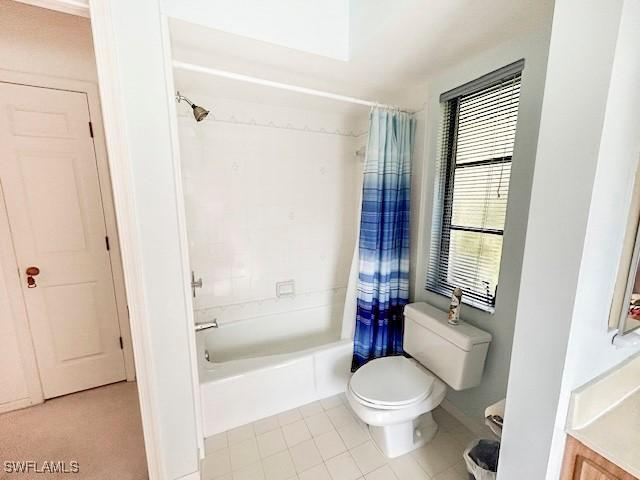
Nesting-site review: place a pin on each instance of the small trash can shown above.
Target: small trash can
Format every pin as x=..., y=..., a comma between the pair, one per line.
x=481, y=457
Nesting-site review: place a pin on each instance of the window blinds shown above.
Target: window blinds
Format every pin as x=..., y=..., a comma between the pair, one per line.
x=472, y=189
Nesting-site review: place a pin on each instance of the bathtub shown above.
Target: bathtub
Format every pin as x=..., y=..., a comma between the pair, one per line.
x=245, y=381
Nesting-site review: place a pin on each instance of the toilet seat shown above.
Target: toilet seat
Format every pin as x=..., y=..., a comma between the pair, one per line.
x=391, y=383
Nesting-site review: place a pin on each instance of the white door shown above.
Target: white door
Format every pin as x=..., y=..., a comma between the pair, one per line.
x=52, y=195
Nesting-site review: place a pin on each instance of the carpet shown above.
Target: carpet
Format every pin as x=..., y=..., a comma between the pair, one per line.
x=100, y=429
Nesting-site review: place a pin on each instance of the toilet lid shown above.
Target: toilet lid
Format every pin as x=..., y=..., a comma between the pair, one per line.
x=391, y=381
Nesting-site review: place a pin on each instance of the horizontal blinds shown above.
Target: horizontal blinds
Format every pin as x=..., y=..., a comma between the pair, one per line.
x=472, y=191
x=480, y=196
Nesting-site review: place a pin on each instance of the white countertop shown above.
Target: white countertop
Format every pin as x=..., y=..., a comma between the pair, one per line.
x=616, y=434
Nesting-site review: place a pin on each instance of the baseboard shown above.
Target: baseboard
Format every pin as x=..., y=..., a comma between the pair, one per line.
x=475, y=425
x=16, y=405
x=191, y=476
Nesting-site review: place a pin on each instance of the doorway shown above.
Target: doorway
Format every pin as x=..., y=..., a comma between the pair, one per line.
x=68, y=396
x=62, y=274
x=54, y=210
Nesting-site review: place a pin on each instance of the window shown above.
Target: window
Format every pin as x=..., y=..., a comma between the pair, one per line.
x=472, y=189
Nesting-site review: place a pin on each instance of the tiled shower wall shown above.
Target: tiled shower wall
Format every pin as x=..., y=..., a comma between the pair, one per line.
x=266, y=204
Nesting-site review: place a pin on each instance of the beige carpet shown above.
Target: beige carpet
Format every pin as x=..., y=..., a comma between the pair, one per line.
x=99, y=428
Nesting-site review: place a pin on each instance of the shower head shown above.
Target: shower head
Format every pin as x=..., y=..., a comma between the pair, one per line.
x=199, y=113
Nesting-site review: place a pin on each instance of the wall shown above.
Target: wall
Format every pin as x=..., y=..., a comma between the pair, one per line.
x=417, y=193
x=587, y=153
x=139, y=110
x=266, y=205
x=589, y=351
x=74, y=7
x=320, y=27
x=533, y=48
x=34, y=40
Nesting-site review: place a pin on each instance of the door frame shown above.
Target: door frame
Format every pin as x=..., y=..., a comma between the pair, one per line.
x=106, y=28
x=7, y=254
x=186, y=264
x=17, y=308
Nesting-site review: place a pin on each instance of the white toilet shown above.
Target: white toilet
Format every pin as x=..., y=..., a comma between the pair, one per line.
x=395, y=395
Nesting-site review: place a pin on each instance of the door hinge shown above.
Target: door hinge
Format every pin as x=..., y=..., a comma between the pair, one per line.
x=121, y=344
x=91, y=129
x=106, y=241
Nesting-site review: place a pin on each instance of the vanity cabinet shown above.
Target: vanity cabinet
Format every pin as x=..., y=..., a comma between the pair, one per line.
x=582, y=463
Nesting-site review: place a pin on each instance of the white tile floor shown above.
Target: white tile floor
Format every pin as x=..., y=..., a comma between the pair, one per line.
x=325, y=441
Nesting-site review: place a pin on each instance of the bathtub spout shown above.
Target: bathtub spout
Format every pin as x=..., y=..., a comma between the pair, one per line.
x=206, y=325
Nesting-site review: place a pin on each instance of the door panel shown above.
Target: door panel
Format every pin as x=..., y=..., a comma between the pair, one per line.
x=82, y=321
x=37, y=123
x=582, y=463
x=50, y=183
x=587, y=470
x=52, y=195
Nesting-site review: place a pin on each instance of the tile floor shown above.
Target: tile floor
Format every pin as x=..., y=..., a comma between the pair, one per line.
x=325, y=441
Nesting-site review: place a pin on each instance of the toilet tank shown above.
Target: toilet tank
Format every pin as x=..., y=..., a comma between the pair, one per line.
x=456, y=354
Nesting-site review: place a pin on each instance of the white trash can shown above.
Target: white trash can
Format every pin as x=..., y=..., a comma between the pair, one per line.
x=481, y=458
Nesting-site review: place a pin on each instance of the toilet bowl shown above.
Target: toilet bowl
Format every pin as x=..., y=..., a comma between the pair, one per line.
x=395, y=395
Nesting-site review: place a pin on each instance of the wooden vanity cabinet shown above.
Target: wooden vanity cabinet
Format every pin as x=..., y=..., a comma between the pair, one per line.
x=582, y=463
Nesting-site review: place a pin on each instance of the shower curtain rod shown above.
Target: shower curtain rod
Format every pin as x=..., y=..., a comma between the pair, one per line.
x=282, y=86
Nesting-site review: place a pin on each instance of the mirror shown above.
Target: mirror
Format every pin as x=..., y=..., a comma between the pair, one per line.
x=625, y=309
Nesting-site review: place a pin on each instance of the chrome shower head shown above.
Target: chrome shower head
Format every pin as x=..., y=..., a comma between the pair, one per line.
x=199, y=113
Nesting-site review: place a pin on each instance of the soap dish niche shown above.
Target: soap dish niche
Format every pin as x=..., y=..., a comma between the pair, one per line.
x=286, y=288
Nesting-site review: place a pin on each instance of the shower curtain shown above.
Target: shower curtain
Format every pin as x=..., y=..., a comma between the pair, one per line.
x=383, y=277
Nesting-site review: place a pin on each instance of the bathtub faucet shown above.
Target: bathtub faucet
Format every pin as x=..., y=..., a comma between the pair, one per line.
x=206, y=325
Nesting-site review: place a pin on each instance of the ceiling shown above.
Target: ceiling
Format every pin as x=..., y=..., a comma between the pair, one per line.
x=395, y=45
x=408, y=40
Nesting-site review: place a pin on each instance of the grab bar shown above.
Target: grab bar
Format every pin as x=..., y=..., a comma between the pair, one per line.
x=207, y=325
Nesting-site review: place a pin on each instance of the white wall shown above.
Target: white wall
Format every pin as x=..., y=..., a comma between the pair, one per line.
x=589, y=351
x=318, y=26
x=74, y=7
x=34, y=40
x=266, y=205
x=417, y=194
x=587, y=152
x=533, y=48
x=138, y=109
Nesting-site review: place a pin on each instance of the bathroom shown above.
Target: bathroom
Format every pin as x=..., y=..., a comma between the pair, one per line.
x=337, y=240
x=272, y=179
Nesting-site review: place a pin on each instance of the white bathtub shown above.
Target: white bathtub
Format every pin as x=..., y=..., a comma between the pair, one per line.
x=244, y=382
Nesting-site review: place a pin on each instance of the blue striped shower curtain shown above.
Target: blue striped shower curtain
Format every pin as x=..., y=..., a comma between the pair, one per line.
x=383, y=278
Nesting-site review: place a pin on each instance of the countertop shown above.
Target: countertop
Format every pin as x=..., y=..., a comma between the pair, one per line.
x=616, y=434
